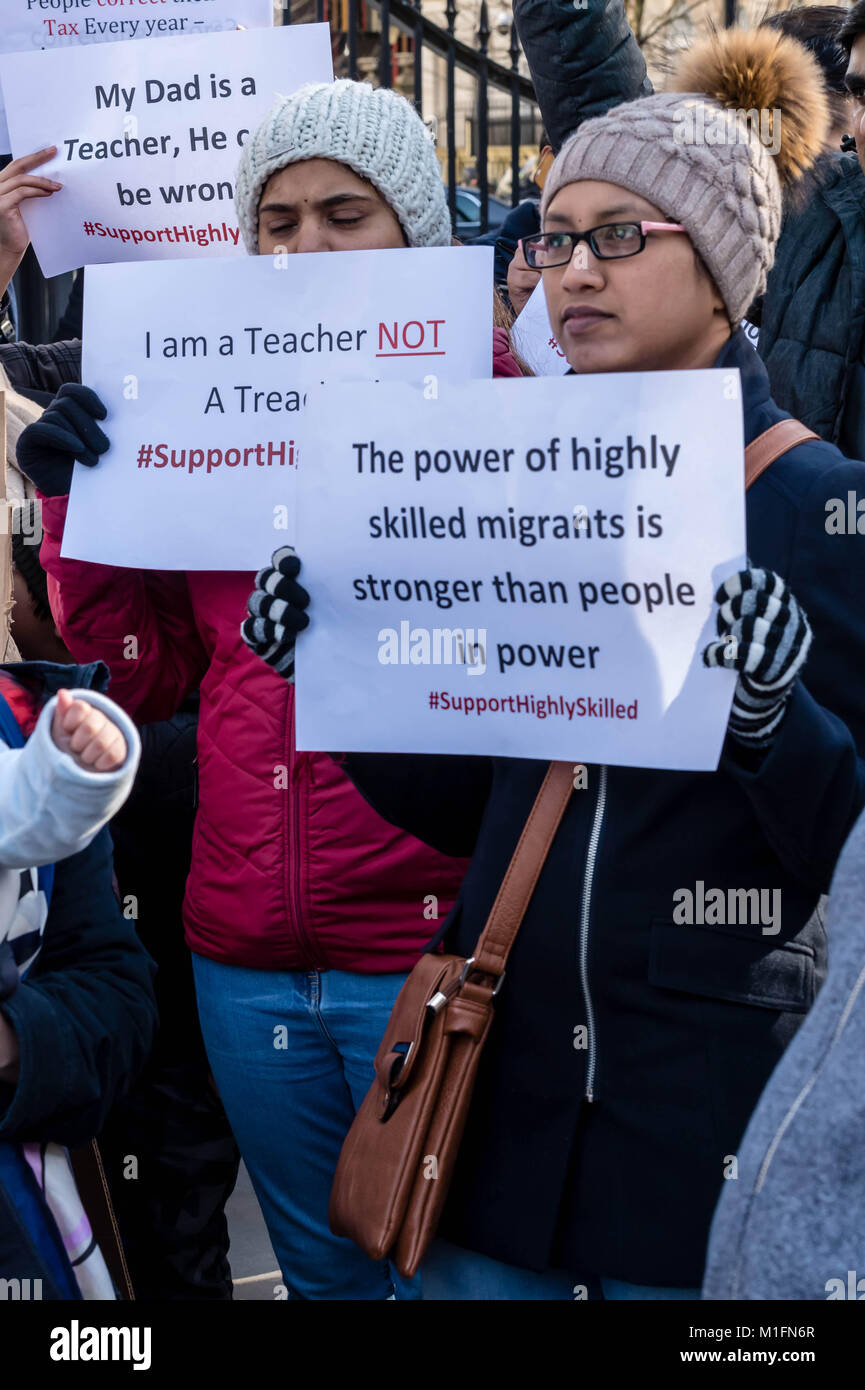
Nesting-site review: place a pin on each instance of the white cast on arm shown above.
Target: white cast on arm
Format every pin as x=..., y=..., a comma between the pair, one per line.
x=49, y=806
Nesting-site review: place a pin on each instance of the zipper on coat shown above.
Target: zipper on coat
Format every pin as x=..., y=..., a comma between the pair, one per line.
x=585, y=915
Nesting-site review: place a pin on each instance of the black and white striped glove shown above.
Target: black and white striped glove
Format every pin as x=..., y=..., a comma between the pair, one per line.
x=276, y=612
x=765, y=635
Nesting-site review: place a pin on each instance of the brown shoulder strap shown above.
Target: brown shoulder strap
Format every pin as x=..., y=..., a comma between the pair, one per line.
x=771, y=444
x=528, y=859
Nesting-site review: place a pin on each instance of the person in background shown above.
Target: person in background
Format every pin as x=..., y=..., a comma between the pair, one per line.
x=521, y=221
x=792, y=1224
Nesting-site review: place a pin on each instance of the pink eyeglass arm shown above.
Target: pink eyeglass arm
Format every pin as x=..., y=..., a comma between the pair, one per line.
x=661, y=227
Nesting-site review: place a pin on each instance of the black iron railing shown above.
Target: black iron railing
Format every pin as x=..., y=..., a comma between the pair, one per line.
x=370, y=31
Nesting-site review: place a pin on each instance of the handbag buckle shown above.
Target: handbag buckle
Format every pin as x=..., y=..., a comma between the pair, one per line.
x=464, y=973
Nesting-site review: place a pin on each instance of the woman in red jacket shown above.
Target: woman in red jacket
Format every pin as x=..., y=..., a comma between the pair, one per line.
x=304, y=909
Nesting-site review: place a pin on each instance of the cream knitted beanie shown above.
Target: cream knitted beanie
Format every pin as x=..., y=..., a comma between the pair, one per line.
x=373, y=130
x=747, y=116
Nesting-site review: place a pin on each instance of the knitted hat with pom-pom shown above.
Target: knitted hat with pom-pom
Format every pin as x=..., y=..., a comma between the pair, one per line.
x=373, y=130
x=746, y=118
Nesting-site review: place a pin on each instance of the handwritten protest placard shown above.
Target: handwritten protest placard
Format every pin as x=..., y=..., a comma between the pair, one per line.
x=205, y=374
x=534, y=340
x=520, y=568
x=149, y=137
x=35, y=24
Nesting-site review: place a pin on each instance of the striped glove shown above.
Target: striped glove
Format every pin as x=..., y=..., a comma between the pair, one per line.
x=276, y=607
x=763, y=634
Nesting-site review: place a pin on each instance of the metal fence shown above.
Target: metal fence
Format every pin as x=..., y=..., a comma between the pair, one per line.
x=392, y=42
x=395, y=43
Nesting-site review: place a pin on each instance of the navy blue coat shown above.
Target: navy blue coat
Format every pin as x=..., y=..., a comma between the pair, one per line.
x=685, y=1023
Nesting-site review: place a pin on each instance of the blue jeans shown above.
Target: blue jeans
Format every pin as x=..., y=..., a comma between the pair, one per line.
x=451, y=1273
x=292, y=1055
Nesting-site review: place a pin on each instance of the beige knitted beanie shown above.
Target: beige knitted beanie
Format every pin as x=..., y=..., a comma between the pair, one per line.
x=373, y=130
x=746, y=116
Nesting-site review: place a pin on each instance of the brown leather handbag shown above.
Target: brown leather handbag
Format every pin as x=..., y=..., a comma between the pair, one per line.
x=398, y=1158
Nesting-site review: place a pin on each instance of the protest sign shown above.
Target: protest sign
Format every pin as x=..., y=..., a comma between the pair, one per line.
x=533, y=337
x=149, y=137
x=521, y=568
x=204, y=373
x=51, y=24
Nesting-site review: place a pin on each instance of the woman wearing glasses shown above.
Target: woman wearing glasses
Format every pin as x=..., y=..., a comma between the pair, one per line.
x=628, y=1051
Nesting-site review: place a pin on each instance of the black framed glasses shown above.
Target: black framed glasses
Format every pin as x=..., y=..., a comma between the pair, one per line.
x=612, y=241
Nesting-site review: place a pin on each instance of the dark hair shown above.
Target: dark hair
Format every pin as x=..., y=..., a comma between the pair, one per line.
x=819, y=29
x=853, y=27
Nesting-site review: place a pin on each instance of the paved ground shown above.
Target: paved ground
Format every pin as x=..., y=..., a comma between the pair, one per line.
x=253, y=1263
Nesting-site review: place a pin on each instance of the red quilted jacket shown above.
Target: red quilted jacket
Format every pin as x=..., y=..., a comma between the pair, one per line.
x=291, y=869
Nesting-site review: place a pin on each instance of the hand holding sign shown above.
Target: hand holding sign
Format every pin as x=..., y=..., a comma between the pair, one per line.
x=148, y=137
x=17, y=184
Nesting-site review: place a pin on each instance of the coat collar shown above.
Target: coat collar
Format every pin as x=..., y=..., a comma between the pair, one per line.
x=758, y=409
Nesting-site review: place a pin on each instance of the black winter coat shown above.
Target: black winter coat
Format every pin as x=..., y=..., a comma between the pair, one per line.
x=608, y=1159
x=582, y=61
x=40, y=371
x=813, y=313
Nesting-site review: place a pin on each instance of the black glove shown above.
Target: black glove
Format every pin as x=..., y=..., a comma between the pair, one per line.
x=67, y=431
x=276, y=606
x=765, y=636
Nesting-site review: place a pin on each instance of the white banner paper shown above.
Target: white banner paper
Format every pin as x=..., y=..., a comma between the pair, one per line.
x=521, y=568
x=52, y=24
x=204, y=371
x=149, y=137
x=534, y=340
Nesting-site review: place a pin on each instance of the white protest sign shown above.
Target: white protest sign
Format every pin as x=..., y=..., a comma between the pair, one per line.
x=533, y=337
x=149, y=137
x=37, y=24
x=522, y=568
x=204, y=372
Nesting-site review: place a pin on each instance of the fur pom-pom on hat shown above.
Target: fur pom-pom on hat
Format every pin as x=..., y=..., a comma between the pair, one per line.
x=761, y=71
x=744, y=116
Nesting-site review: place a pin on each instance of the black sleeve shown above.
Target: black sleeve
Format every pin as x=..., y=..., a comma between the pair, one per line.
x=85, y=1015
x=41, y=368
x=436, y=798
x=808, y=788
x=582, y=60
